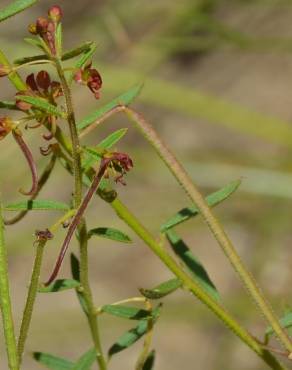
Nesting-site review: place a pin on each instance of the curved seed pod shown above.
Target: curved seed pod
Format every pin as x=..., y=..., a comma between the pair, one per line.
x=42, y=181
x=29, y=158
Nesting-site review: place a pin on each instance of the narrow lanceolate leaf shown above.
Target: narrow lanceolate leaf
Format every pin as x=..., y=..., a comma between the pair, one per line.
x=212, y=200
x=37, y=205
x=14, y=8
x=53, y=362
x=60, y=285
x=86, y=361
x=86, y=56
x=95, y=154
x=77, y=51
x=42, y=104
x=149, y=363
x=125, y=312
x=131, y=336
x=162, y=290
x=34, y=58
x=110, y=233
x=37, y=42
x=124, y=99
x=75, y=271
x=112, y=139
x=192, y=263
x=285, y=321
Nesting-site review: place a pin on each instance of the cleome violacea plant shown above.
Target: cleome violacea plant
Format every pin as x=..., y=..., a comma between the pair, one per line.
x=46, y=102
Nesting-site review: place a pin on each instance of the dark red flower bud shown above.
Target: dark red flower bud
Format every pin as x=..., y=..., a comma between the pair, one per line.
x=55, y=13
x=42, y=25
x=31, y=82
x=6, y=125
x=43, y=80
x=4, y=70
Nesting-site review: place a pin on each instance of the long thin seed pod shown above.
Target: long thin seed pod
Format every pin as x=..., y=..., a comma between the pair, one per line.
x=28, y=156
x=42, y=181
x=75, y=222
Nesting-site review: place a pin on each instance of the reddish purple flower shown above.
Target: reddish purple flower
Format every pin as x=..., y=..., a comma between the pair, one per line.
x=119, y=164
x=41, y=86
x=90, y=77
x=6, y=125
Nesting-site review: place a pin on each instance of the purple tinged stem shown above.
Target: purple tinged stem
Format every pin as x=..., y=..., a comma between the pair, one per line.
x=29, y=158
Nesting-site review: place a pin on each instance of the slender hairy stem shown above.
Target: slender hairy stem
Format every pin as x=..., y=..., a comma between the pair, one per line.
x=216, y=228
x=77, y=172
x=193, y=286
x=5, y=302
x=73, y=134
x=31, y=296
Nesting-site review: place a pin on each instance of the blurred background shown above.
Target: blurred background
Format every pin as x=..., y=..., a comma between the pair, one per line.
x=217, y=88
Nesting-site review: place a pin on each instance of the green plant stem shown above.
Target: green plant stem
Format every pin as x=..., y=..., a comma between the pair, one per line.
x=31, y=297
x=213, y=223
x=82, y=230
x=150, y=241
x=193, y=286
x=5, y=301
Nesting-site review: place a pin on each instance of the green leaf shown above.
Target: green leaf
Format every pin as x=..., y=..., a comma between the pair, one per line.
x=86, y=56
x=42, y=104
x=161, y=290
x=86, y=361
x=149, y=363
x=8, y=105
x=15, y=7
x=134, y=334
x=113, y=139
x=95, y=154
x=285, y=321
x=109, y=233
x=34, y=58
x=124, y=99
x=53, y=362
x=212, y=200
x=193, y=264
x=77, y=51
x=126, y=312
x=59, y=285
x=75, y=271
x=37, y=205
x=38, y=43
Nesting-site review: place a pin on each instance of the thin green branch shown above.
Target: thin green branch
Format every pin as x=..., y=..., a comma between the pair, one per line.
x=213, y=223
x=5, y=302
x=82, y=230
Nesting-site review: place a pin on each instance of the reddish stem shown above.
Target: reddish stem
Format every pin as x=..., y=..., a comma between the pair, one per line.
x=29, y=158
